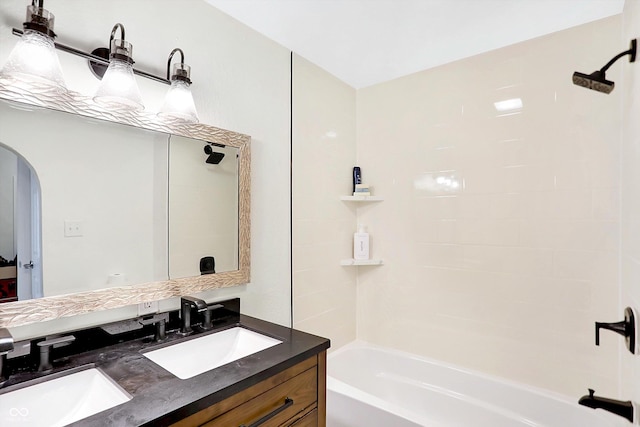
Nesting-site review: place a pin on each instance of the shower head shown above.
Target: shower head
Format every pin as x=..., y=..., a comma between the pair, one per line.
x=214, y=156
x=597, y=80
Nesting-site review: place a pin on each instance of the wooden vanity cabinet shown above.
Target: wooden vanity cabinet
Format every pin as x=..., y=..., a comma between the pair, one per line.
x=295, y=397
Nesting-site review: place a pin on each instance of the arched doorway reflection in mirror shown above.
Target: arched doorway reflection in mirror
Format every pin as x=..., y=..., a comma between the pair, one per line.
x=20, y=229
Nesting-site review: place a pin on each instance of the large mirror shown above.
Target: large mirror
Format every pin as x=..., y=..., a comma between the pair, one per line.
x=114, y=214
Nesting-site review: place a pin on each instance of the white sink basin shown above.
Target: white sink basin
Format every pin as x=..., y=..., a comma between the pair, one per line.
x=190, y=358
x=61, y=401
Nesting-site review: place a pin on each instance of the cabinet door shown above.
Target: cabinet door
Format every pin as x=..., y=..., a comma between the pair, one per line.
x=274, y=407
x=215, y=411
x=309, y=420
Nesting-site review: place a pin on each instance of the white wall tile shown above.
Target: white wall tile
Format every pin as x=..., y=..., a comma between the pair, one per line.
x=508, y=272
x=324, y=154
x=630, y=206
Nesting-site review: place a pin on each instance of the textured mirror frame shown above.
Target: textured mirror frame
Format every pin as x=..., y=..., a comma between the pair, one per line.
x=21, y=313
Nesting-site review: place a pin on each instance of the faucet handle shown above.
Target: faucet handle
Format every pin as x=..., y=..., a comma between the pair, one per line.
x=6, y=341
x=618, y=327
x=206, y=323
x=45, y=348
x=591, y=392
x=53, y=341
x=6, y=345
x=160, y=321
x=626, y=328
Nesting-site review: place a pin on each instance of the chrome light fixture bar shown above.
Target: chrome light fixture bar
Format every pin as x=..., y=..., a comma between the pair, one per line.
x=97, y=59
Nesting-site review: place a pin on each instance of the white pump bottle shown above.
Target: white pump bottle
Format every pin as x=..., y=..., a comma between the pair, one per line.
x=361, y=243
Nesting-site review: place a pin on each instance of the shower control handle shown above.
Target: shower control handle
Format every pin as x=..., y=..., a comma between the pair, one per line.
x=626, y=328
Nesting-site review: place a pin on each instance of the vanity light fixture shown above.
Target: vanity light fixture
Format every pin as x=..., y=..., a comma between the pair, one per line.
x=118, y=84
x=34, y=57
x=178, y=103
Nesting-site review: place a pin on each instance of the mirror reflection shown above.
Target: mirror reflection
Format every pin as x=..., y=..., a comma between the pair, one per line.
x=19, y=219
x=118, y=205
x=203, y=207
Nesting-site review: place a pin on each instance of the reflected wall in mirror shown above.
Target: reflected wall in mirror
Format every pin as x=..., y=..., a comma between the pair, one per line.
x=203, y=207
x=104, y=197
x=129, y=210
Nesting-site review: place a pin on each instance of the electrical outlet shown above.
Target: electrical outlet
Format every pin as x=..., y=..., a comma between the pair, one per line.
x=150, y=307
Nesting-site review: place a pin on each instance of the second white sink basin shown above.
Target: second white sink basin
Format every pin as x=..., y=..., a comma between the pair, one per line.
x=190, y=358
x=61, y=401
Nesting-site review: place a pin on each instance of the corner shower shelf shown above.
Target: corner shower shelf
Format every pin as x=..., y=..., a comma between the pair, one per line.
x=363, y=262
x=361, y=198
x=351, y=261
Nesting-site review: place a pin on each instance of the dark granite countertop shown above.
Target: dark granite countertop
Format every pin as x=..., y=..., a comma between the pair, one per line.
x=160, y=398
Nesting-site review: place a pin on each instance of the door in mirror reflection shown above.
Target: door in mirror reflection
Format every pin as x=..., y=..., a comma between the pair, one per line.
x=203, y=207
x=20, y=229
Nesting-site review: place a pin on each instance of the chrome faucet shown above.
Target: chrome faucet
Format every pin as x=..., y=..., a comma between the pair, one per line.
x=186, y=303
x=618, y=407
x=6, y=345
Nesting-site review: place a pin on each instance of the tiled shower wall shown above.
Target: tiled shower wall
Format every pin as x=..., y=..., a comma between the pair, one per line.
x=324, y=151
x=499, y=229
x=630, y=218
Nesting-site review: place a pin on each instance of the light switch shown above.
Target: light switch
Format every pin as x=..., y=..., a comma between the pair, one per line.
x=73, y=229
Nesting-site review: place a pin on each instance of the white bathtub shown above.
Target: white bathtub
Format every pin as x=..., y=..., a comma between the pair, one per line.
x=371, y=386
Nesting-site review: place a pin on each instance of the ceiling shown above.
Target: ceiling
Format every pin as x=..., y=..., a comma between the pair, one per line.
x=364, y=42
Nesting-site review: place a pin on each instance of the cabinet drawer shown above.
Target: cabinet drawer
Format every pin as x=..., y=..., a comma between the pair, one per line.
x=308, y=420
x=273, y=406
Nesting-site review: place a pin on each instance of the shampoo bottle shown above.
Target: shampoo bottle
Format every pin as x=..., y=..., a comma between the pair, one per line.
x=357, y=177
x=361, y=243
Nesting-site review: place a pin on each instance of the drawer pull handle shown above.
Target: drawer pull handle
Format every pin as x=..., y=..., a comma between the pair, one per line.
x=287, y=402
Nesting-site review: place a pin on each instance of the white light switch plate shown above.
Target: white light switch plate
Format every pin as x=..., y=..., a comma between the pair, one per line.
x=73, y=228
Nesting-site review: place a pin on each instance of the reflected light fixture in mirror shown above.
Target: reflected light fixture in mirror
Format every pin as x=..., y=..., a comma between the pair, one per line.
x=118, y=85
x=34, y=57
x=178, y=102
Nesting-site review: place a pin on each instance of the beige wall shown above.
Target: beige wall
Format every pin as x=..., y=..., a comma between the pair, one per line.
x=500, y=231
x=630, y=218
x=241, y=82
x=323, y=157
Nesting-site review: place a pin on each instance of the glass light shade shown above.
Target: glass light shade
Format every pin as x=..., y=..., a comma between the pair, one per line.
x=34, y=59
x=118, y=85
x=178, y=103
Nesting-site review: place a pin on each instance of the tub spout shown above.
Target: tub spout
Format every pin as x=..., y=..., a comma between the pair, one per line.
x=618, y=407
